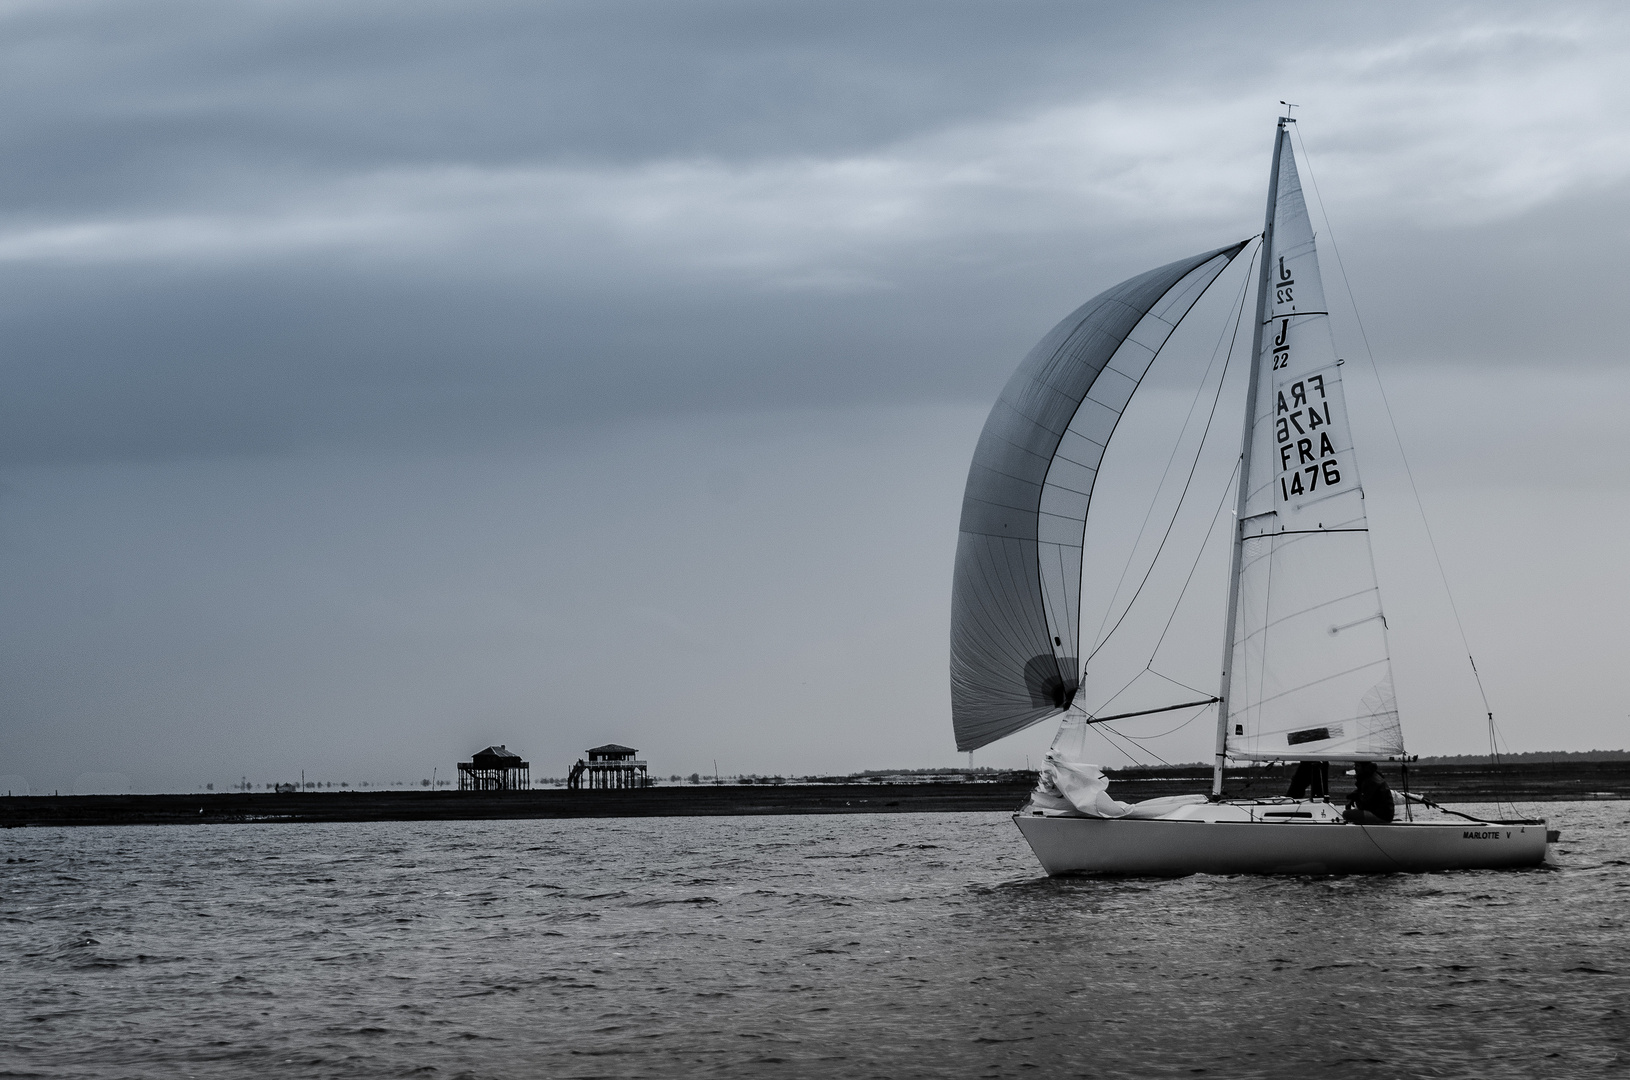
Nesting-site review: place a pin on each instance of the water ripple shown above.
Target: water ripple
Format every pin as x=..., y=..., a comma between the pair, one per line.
x=898, y=946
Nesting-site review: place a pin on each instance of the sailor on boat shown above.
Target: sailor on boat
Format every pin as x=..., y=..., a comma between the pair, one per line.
x=1310, y=778
x=1371, y=800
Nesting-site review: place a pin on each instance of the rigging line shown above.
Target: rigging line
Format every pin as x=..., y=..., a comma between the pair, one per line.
x=1196, y=564
x=1091, y=719
x=1131, y=759
x=1088, y=717
x=1159, y=675
x=1408, y=471
x=1177, y=510
x=1149, y=666
x=1374, y=842
x=1110, y=735
x=1075, y=630
x=1144, y=749
x=1424, y=801
x=1121, y=691
x=1178, y=445
x=1103, y=733
x=1163, y=734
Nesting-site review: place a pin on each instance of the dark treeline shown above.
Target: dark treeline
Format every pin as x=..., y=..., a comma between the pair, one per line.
x=1521, y=782
x=1535, y=756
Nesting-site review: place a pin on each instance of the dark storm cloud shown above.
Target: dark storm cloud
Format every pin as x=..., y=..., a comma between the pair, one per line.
x=380, y=381
x=116, y=95
x=257, y=228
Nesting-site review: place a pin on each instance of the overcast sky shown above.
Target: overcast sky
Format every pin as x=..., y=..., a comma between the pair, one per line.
x=385, y=380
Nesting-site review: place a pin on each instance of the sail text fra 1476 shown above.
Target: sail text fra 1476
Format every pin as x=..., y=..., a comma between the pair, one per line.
x=1306, y=672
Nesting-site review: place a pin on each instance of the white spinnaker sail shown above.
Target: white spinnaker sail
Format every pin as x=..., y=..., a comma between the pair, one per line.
x=1311, y=677
x=1015, y=593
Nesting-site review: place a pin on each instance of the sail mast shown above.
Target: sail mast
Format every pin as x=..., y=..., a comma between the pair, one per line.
x=1225, y=692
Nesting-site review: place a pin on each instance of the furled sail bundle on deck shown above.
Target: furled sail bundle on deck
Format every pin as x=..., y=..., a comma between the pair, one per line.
x=1016, y=593
x=1310, y=676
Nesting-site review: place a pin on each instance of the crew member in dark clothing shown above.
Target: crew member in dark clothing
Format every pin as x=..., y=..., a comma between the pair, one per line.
x=1371, y=801
x=1314, y=775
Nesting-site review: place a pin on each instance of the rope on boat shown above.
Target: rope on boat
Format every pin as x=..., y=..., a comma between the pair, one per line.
x=1424, y=801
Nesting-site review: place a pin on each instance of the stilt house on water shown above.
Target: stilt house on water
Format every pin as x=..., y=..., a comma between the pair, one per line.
x=609, y=767
x=494, y=769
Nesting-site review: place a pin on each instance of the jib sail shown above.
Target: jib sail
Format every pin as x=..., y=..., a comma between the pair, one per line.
x=1309, y=675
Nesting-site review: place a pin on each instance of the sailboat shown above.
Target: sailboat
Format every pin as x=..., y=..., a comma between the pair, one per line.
x=1306, y=673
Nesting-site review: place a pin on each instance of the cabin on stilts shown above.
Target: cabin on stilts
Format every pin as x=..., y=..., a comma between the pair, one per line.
x=608, y=768
x=494, y=769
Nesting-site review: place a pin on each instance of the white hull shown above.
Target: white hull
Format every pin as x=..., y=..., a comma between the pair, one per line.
x=1084, y=845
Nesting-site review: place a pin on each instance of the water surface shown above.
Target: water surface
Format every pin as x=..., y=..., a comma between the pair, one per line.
x=910, y=945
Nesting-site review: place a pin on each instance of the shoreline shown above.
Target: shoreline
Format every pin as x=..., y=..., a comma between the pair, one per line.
x=1521, y=783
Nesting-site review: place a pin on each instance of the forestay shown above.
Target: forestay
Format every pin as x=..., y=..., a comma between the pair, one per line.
x=1310, y=676
x=1016, y=593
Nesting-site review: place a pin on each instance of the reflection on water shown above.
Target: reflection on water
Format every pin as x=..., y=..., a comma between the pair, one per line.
x=843, y=946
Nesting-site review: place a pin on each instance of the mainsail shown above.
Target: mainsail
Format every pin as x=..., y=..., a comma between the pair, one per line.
x=1309, y=676
x=1016, y=593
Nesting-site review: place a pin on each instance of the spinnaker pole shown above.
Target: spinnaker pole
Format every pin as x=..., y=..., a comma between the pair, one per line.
x=1224, y=694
